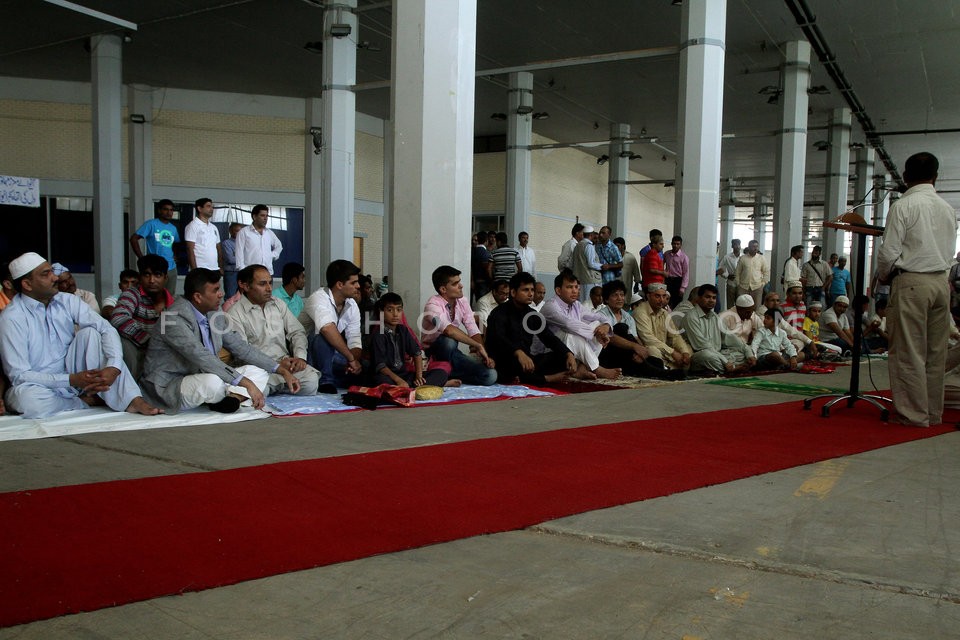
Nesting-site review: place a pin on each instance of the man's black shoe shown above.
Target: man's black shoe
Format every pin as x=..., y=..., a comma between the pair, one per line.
x=228, y=405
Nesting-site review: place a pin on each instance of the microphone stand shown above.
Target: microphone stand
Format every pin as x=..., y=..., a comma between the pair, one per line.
x=862, y=230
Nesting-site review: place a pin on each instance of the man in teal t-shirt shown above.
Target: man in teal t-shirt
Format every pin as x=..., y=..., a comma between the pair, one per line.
x=840, y=285
x=160, y=235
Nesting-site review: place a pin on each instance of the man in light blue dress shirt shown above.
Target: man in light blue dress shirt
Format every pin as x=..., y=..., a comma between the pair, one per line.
x=58, y=354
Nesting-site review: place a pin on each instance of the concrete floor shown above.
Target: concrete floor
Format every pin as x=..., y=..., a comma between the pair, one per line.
x=858, y=547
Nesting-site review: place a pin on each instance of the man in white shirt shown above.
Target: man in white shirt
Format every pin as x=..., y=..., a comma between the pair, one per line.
x=792, y=267
x=917, y=249
x=630, y=273
x=256, y=244
x=539, y=294
x=565, y=261
x=586, y=265
x=493, y=299
x=528, y=259
x=334, y=317
x=752, y=273
x=728, y=271
x=67, y=284
x=202, y=238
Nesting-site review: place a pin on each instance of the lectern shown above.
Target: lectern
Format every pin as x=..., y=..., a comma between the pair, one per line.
x=854, y=223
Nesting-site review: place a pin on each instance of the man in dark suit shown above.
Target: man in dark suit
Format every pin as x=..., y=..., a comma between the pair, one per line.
x=182, y=368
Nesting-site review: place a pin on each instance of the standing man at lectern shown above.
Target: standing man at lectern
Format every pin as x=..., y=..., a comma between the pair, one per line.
x=917, y=250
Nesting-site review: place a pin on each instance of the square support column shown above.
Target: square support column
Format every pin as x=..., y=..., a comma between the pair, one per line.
x=140, y=157
x=339, y=134
x=619, y=174
x=313, y=255
x=702, y=45
x=791, y=156
x=432, y=109
x=863, y=166
x=519, y=138
x=109, y=243
x=838, y=179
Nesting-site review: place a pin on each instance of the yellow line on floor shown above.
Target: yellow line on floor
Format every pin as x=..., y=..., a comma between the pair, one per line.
x=825, y=476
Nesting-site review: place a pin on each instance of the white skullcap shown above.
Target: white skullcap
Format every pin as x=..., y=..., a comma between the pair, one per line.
x=794, y=284
x=588, y=229
x=745, y=301
x=815, y=305
x=635, y=298
x=25, y=264
x=656, y=286
x=59, y=269
x=843, y=299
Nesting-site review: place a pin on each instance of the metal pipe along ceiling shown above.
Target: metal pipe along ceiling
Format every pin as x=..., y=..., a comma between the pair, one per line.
x=808, y=23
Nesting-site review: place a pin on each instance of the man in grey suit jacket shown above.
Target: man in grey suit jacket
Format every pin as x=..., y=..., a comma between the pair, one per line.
x=182, y=369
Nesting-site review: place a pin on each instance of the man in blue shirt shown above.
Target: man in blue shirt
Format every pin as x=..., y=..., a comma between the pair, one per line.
x=58, y=354
x=840, y=284
x=160, y=234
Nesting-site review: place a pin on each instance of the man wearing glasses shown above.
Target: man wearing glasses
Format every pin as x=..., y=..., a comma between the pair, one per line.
x=160, y=234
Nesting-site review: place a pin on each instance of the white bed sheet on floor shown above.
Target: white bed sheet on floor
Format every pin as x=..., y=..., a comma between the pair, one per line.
x=285, y=405
x=99, y=419
x=96, y=420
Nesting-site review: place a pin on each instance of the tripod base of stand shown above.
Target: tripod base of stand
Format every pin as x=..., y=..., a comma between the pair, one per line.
x=851, y=400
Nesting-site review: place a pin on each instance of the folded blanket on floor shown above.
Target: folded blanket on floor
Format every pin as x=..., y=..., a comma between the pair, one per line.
x=100, y=419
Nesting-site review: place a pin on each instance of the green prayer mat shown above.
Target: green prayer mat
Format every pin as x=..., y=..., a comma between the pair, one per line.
x=773, y=385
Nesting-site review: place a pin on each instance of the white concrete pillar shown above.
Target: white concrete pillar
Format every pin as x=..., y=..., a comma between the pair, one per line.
x=313, y=188
x=863, y=166
x=791, y=155
x=619, y=174
x=339, y=133
x=728, y=214
x=519, y=139
x=838, y=180
x=702, y=35
x=759, y=221
x=107, y=87
x=140, y=156
x=432, y=105
x=387, y=196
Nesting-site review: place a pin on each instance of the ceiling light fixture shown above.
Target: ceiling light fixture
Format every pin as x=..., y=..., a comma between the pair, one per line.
x=856, y=146
x=603, y=159
x=629, y=155
x=541, y=115
x=498, y=116
x=524, y=109
x=818, y=90
x=314, y=47
x=821, y=145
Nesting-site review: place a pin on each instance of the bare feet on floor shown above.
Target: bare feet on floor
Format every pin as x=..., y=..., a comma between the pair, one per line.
x=141, y=406
x=453, y=382
x=582, y=373
x=609, y=374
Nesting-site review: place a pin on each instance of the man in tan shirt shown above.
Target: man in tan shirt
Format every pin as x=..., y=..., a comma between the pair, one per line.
x=657, y=332
x=753, y=273
x=268, y=325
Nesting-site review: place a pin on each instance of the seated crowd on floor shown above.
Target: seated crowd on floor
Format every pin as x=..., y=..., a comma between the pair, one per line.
x=148, y=351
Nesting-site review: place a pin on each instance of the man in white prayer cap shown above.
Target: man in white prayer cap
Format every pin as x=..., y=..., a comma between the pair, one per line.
x=58, y=354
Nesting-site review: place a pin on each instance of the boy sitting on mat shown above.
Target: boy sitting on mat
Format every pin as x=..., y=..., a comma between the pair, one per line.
x=393, y=345
x=772, y=346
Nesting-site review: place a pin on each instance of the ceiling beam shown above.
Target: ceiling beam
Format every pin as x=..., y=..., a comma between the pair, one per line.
x=93, y=13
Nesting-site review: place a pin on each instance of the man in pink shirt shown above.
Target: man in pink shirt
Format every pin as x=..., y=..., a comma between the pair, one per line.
x=677, y=265
x=443, y=316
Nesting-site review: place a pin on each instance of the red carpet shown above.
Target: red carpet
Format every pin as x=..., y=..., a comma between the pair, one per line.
x=85, y=547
